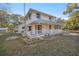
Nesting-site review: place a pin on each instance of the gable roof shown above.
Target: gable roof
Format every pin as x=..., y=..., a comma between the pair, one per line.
x=31, y=10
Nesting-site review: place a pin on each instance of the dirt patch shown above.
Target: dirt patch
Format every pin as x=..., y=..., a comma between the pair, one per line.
x=50, y=46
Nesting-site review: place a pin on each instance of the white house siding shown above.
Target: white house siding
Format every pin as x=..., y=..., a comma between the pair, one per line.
x=33, y=16
x=33, y=28
x=42, y=16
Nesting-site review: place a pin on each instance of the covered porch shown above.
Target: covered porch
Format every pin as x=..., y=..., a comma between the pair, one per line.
x=43, y=29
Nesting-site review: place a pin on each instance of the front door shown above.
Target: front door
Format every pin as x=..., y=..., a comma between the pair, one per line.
x=38, y=29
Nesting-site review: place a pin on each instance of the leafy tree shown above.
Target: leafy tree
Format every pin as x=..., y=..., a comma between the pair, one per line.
x=3, y=14
x=7, y=19
x=16, y=19
x=70, y=8
x=73, y=12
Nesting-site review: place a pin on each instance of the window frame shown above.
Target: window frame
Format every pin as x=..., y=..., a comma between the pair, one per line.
x=38, y=15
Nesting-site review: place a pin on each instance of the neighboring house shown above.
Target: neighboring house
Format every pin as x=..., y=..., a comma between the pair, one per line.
x=40, y=24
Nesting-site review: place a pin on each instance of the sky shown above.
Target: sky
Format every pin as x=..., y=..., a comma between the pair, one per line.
x=55, y=9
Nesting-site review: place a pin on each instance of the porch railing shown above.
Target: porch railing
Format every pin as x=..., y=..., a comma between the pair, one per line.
x=45, y=32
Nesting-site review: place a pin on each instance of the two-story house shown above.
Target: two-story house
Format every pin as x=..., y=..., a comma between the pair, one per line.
x=40, y=24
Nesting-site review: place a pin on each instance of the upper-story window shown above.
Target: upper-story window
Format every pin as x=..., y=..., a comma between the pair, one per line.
x=50, y=18
x=38, y=15
x=23, y=27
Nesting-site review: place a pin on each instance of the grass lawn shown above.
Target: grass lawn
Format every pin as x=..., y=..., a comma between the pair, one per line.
x=52, y=46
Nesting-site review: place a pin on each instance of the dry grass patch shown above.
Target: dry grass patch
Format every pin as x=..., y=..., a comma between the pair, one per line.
x=48, y=46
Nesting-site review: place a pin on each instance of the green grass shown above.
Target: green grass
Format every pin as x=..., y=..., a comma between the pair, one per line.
x=3, y=49
x=58, y=45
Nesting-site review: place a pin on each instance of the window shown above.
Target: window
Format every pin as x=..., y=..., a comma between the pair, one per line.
x=39, y=27
x=38, y=15
x=49, y=26
x=29, y=28
x=23, y=27
x=49, y=17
